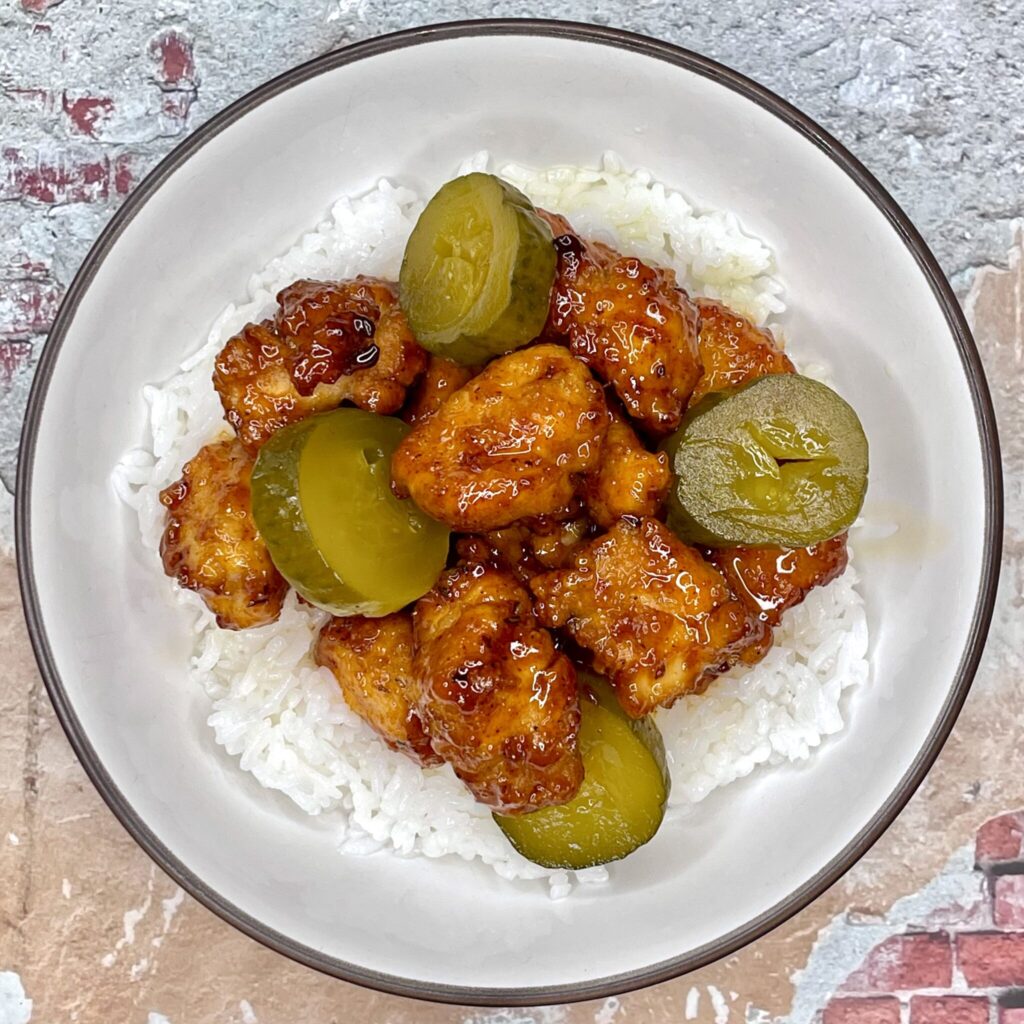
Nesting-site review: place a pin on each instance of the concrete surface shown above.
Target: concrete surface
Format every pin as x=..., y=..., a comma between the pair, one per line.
x=929, y=95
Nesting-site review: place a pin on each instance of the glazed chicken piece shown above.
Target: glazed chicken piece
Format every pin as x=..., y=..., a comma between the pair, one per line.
x=509, y=444
x=630, y=480
x=328, y=344
x=733, y=351
x=771, y=579
x=557, y=222
x=527, y=547
x=658, y=619
x=499, y=700
x=442, y=378
x=210, y=543
x=630, y=323
x=372, y=661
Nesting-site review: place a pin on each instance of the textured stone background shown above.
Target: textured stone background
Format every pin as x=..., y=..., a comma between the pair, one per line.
x=931, y=97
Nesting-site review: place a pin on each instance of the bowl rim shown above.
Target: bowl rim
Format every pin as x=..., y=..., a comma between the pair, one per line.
x=813, y=887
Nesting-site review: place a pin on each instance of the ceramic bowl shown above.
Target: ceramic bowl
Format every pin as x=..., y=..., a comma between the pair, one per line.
x=858, y=279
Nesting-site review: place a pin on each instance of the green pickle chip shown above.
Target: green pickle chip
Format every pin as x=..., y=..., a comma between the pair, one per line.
x=322, y=500
x=621, y=802
x=781, y=460
x=477, y=272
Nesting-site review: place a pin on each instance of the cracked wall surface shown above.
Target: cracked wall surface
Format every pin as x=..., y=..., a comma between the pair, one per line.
x=929, y=95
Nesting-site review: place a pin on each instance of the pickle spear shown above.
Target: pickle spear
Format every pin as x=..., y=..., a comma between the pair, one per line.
x=782, y=460
x=620, y=804
x=322, y=501
x=477, y=272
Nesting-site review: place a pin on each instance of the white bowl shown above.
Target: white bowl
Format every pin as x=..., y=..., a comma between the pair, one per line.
x=859, y=280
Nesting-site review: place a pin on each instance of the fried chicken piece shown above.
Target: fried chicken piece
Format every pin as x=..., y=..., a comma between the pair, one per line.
x=210, y=543
x=658, y=619
x=442, y=377
x=499, y=700
x=372, y=661
x=630, y=480
x=771, y=579
x=733, y=351
x=559, y=225
x=527, y=547
x=630, y=323
x=509, y=444
x=328, y=344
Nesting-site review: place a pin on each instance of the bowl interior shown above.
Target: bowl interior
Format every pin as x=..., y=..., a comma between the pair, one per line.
x=856, y=297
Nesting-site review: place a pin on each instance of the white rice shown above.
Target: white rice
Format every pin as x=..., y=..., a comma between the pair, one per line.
x=284, y=718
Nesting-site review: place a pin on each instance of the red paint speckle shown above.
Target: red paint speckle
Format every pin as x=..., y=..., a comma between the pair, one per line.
x=61, y=176
x=176, y=106
x=173, y=51
x=85, y=111
x=13, y=354
x=40, y=97
x=39, y=6
x=27, y=306
x=123, y=176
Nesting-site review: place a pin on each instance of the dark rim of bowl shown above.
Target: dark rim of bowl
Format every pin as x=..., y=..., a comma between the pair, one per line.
x=813, y=887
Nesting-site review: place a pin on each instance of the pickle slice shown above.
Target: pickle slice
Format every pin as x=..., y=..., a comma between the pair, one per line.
x=781, y=460
x=478, y=269
x=321, y=499
x=620, y=804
